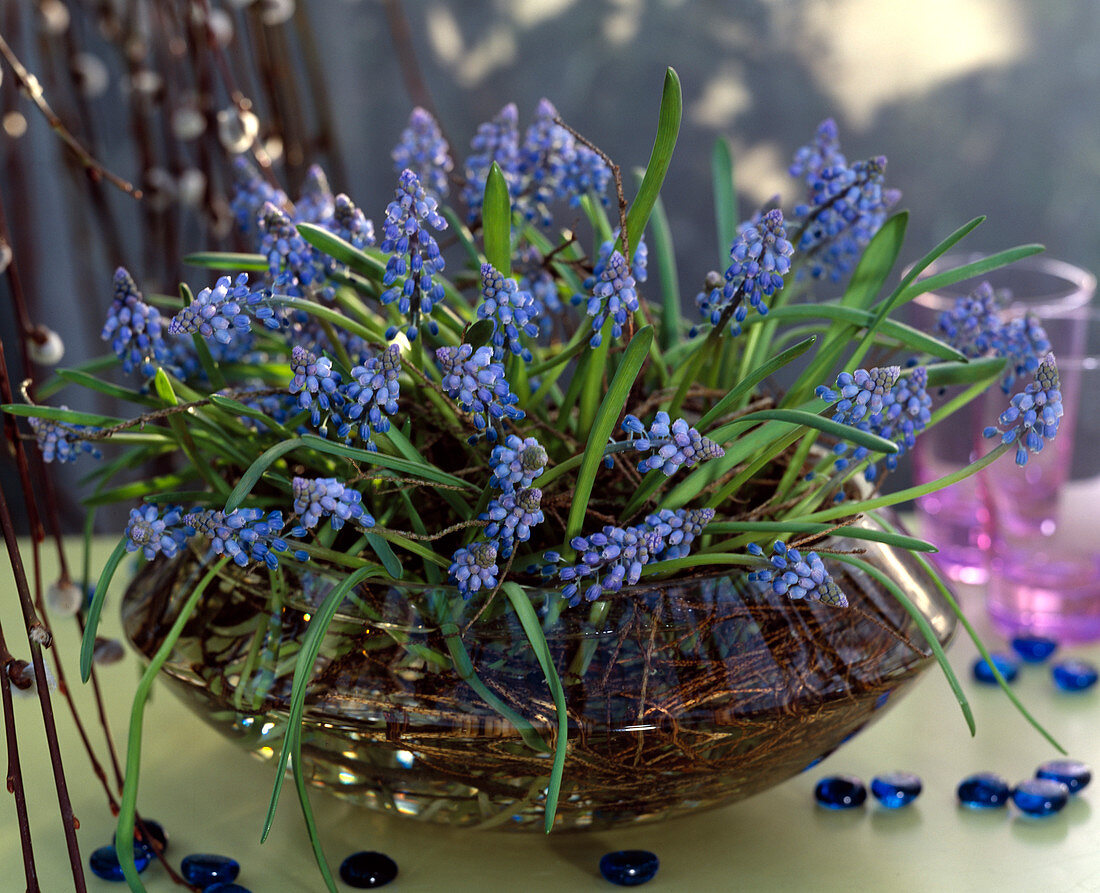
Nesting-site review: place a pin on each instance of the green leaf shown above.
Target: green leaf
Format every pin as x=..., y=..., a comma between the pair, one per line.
x=531, y=626
x=303, y=670
x=56, y=414
x=199, y=462
x=747, y=384
x=227, y=260
x=877, y=262
x=606, y=416
x=668, y=129
x=496, y=221
x=95, y=609
x=84, y=380
x=921, y=265
x=128, y=802
x=665, y=255
x=985, y=369
x=923, y=625
x=385, y=555
x=899, y=540
x=725, y=196
x=967, y=271
x=479, y=333
x=465, y=669
x=809, y=420
x=343, y=251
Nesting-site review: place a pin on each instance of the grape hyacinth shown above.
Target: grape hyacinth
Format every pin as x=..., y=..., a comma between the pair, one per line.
x=218, y=311
x=414, y=254
x=287, y=252
x=760, y=259
x=315, y=384
x=674, y=444
x=553, y=165
x=796, y=576
x=511, y=517
x=976, y=327
x=134, y=328
x=883, y=402
x=350, y=224
x=318, y=498
x=245, y=535
x=250, y=195
x=374, y=389
x=154, y=534
x=844, y=207
x=496, y=140
x=423, y=150
x=474, y=568
x=316, y=203
x=63, y=442
x=613, y=294
x=1032, y=417
x=477, y=385
x=513, y=312
x=516, y=463
x=620, y=553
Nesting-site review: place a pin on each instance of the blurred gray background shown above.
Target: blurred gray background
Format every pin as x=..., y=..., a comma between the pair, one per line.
x=981, y=106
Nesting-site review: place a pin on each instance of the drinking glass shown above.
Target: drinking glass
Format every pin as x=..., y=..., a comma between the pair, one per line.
x=956, y=519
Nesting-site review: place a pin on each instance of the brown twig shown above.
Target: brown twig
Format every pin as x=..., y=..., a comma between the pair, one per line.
x=15, y=771
x=32, y=89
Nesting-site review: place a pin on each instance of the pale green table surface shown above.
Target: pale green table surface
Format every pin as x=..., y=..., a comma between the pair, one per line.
x=212, y=797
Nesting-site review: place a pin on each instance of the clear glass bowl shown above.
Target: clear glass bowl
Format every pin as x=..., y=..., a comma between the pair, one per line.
x=682, y=695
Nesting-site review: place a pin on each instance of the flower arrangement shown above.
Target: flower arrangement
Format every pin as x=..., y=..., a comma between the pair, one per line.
x=479, y=397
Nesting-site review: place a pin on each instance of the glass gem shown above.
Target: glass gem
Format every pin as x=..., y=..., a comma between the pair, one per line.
x=1033, y=649
x=366, y=870
x=226, y=887
x=1074, y=675
x=104, y=863
x=896, y=789
x=840, y=792
x=1040, y=796
x=156, y=831
x=629, y=868
x=985, y=790
x=1005, y=664
x=1074, y=774
x=204, y=869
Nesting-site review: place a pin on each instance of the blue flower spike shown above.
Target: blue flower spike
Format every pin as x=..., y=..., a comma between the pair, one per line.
x=797, y=576
x=1033, y=415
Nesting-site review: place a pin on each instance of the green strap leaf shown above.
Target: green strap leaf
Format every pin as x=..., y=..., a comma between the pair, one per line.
x=725, y=196
x=533, y=629
x=313, y=442
x=668, y=129
x=809, y=420
x=603, y=425
x=56, y=414
x=128, y=802
x=303, y=670
x=968, y=271
x=227, y=260
x=496, y=221
x=877, y=262
x=899, y=540
x=385, y=555
x=923, y=625
x=665, y=254
x=340, y=249
x=985, y=369
x=95, y=609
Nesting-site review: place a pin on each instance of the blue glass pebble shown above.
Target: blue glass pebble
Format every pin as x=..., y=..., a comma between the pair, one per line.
x=1034, y=649
x=1074, y=774
x=629, y=868
x=104, y=863
x=840, y=792
x=1040, y=797
x=1007, y=666
x=896, y=789
x=1074, y=675
x=204, y=869
x=366, y=870
x=156, y=831
x=226, y=887
x=985, y=790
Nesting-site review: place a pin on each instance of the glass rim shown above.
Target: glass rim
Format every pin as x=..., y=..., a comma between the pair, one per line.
x=1077, y=293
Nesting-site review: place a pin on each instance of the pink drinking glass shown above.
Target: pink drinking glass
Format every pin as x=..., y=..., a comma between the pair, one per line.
x=957, y=519
x=1044, y=518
